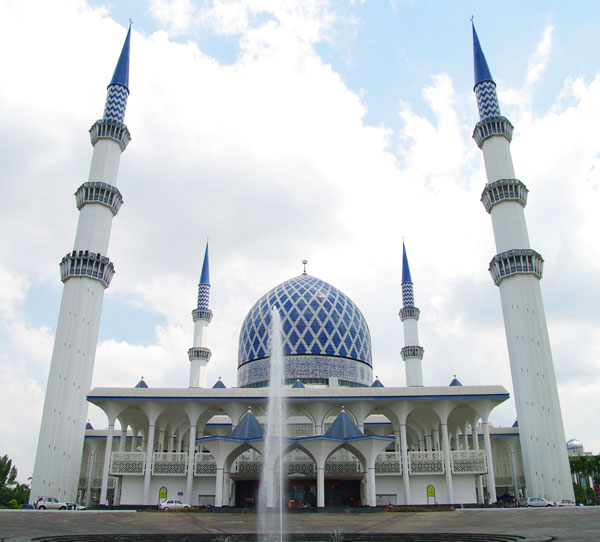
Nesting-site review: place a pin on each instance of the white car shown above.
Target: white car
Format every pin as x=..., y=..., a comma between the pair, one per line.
x=172, y=504
x=565, y=502
x=50, y=503
x=538, y=501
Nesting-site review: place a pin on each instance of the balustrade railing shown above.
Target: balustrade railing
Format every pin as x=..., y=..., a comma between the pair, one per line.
x=388, y=463
x=127, y=463
x=204, y=465
x=169, y=463
x=426, y=463
x=468, y=462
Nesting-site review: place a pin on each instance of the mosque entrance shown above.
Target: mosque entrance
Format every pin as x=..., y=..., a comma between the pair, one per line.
x=302, y=493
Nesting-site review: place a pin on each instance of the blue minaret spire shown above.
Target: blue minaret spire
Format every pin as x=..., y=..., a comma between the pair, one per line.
x=408, y=299
x=118, y=90
x=412, y=353
x=204, y=285
x=485, y=88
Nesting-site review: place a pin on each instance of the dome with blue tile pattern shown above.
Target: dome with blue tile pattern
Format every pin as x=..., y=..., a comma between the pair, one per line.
x=324, y=335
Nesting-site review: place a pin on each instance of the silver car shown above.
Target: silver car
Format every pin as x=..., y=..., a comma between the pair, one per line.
x=538, y=501
x=50, y=503
x=172, y=504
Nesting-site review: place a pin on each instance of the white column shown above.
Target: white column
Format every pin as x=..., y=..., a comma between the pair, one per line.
x=446, y=450
x=321, y=486
x=515, y=472
x=90, y=473
x=148, y=472
x=119, y=480
x=190, y=467
x=226, y=487
x=491, y=481
x=371, y=488
x=436, y=440
x=107, y=452
x=219, y=487
x=405, y=475
x=478, y=476
x=161, y=440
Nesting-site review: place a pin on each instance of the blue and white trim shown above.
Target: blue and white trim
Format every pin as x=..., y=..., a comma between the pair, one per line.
x=487, y=100
x=116, y=102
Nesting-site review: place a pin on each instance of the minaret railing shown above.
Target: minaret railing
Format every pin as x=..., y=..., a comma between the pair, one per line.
x=492, y=126
x=110, y=129
x=504, y=190
x=515, y=262
x=199, y=352
x=410, y=352
x=409, y=312
x=87, y=264
x=202, y=314
x=99, y=192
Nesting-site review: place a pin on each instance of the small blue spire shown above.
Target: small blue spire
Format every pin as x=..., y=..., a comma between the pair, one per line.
x=205, y=275
x=118, y=90
x=482, y=71
x=121, y=75
x=405, y=269
x=408, y=297
x=204, y=286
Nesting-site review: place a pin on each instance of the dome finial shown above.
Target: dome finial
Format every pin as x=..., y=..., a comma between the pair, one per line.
x=304, y=262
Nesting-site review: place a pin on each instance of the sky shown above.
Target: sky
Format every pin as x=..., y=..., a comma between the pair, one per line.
x=284, y=130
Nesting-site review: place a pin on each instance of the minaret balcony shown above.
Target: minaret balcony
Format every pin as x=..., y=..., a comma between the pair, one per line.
x=202, y=314
x=409, y=312
x=110, y=129
x=504, y=190
x=516, y=262
x=199, y=353
x=87, y=264
x=98, y=192
x=411, y=352
x=492, y=126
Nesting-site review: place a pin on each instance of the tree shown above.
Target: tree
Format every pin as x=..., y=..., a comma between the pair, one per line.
x=9, y=487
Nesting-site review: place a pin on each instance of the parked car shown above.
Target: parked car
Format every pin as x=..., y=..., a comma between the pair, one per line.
x=535, y=501
x=49, y=503
x=75, y=506
x=172, y=504
x=565, y=502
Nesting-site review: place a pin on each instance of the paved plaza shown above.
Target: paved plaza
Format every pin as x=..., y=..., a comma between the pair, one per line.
x=563, y=524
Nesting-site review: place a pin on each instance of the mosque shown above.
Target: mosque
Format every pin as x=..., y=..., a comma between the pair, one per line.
x=351, y=441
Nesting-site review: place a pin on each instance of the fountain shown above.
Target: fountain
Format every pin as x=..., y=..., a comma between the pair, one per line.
x=272, y=490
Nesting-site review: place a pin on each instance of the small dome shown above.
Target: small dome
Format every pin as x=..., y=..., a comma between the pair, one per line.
x=88, y=426
x=219, y=384
x=573, y=445
x=141, y=384
x=324, y=335
x=455, y=382
x=377, y=383
x=298, y=384
x=516, y=424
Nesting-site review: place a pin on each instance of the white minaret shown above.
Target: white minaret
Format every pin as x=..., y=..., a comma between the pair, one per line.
x=85, y=272
x=200, y=355
x=412, y=353
x=517, y=270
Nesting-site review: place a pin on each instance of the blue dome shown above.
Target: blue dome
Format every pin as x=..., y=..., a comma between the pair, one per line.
x=324, y=335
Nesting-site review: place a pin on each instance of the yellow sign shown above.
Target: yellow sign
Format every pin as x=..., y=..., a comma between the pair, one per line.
x=162, y=493
x=430, y=491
